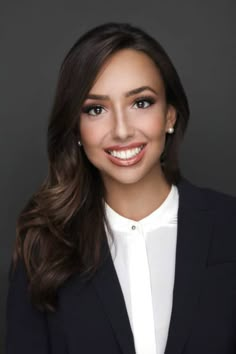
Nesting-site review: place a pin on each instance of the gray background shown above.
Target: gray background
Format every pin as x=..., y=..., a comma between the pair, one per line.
x=34, y=38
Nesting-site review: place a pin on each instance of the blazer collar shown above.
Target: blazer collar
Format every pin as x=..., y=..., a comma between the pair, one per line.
x=193, y=236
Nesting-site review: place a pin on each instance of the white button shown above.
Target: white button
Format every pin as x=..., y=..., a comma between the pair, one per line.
x=133, y=227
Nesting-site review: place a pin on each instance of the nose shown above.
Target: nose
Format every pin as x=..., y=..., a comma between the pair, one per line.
x=122, y=126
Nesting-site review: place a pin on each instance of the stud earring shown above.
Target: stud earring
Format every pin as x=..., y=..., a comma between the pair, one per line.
x=79, y=143
x=170, y=130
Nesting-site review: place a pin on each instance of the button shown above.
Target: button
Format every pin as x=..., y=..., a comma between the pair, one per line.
x=133, y=227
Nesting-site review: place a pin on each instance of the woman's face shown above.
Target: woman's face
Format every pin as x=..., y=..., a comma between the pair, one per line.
x=125, y=117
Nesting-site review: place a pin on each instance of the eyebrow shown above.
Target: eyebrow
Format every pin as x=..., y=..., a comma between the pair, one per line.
x=127, y=94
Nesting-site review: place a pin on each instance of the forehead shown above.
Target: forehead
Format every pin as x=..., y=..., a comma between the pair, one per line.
x=125, y=70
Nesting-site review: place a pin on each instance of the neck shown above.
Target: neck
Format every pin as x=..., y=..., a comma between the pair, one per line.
x=136, y=201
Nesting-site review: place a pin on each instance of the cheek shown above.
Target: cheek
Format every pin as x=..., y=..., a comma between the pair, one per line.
x=91, y=134
x=155, y=126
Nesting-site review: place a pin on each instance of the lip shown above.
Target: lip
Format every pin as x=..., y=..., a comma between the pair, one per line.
x=127, y=162
x=124, y=147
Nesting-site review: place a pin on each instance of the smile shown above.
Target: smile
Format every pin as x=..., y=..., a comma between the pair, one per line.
x=126, y=154
x=127, y=157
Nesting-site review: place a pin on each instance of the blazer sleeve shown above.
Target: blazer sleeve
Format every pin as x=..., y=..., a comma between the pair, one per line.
x=26, y=327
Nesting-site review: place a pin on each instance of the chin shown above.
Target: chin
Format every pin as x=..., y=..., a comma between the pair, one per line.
x=124, y=179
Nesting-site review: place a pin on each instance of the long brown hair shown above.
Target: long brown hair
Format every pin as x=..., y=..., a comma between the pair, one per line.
x=61, y=229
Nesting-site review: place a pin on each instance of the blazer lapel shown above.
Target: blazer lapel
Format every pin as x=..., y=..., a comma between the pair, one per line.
x=193, y=236
x=108, y=289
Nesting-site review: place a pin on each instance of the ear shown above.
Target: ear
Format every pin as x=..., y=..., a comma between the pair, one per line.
x=171, y=117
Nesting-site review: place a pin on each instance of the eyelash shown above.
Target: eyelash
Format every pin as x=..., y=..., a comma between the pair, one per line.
x=148, y=99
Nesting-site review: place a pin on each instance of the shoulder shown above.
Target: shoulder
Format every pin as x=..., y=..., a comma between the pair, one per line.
x=220, y=202
x=218, y=210
x=207, y=198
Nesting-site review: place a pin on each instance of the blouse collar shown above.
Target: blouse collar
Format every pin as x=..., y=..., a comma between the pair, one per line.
x=166, y=213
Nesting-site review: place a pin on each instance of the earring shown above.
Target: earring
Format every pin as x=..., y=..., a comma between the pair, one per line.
x=170, y=130
x=79, y=143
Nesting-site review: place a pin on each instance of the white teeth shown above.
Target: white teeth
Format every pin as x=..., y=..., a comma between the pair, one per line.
x=126, y=154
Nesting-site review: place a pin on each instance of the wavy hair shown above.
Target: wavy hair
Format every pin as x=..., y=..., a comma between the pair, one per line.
x=61, y=229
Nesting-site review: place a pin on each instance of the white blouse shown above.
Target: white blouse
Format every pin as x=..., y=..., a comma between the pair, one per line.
x=144, y=259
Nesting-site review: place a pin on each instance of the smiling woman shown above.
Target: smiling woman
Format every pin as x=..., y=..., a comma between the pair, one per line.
x=117, y=252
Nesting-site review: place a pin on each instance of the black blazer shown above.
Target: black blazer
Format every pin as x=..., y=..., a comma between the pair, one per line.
x=92, y=317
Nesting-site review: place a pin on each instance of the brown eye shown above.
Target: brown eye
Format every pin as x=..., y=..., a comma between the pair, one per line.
x=144, y=103
x=93, y=110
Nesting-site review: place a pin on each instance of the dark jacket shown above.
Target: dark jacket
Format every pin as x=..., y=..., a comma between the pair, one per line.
x=92, y=317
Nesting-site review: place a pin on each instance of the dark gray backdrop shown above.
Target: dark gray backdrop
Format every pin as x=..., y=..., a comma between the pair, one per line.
x=34, y=37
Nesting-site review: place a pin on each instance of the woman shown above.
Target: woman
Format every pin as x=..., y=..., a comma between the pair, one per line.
x=117, y=252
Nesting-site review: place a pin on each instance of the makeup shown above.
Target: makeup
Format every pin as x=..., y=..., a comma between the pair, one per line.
x=126, y=162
